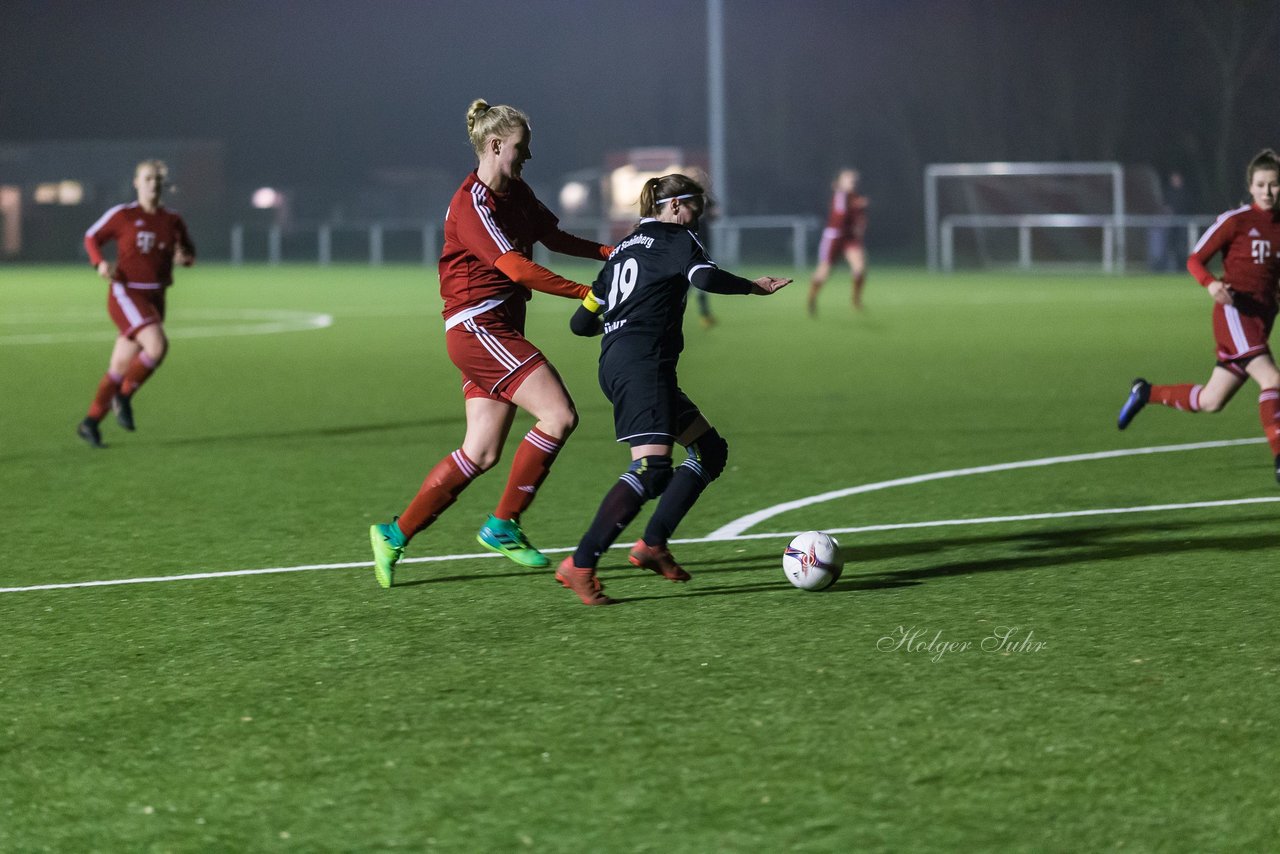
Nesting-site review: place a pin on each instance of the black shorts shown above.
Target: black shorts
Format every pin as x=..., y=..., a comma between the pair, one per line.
x=648, y=406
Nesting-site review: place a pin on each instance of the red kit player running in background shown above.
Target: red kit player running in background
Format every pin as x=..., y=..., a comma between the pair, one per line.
x=1244, y=308
x=149, y=238
x=846, y=226
x=486, y=278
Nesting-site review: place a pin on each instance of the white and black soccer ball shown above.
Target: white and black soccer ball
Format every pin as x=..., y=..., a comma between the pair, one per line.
x=812, y=561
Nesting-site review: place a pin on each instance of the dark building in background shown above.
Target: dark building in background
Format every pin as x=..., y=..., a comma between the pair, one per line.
x=50, y=192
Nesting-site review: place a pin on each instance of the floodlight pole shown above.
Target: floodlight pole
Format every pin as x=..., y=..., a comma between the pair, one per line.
x=715, y=105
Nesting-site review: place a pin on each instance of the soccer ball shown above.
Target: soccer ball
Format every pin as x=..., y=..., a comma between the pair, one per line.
x=812, y=561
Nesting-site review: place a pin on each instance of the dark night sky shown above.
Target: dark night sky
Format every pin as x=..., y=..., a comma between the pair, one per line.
x=299, y=90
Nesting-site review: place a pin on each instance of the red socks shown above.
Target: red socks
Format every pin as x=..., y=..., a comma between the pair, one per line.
x=140, y=368
x=1185, y=397
x=442, y=486
x=1269, y=409
x=529, y=469
x=451, y=475
x=107, y=388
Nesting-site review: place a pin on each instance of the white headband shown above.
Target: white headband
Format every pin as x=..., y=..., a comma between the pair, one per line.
x=673, y=198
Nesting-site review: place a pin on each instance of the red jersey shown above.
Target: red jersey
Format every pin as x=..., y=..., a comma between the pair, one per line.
x=480, y=227
x=848, y=215
x=1249, y=240
x=145, y=243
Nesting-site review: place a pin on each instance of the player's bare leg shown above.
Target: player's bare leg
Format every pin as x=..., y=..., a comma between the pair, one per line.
x=122, y=354
x=857, y=258
x=1218, y=391
x=815, y=285
x=488, y=423
x=153, y=344
x=544, y=396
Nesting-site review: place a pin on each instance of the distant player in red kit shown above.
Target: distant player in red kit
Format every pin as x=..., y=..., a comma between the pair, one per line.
x=1244, y=308
x=486, y=278
x=843, y=236
x=149, y=238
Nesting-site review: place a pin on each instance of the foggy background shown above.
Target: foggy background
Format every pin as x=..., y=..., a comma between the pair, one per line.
x=333, y=100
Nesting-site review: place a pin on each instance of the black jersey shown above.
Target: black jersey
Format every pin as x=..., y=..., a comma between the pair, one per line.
x=645, y=281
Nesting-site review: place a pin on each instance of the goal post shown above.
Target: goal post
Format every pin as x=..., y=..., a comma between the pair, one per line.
x=1061, y=195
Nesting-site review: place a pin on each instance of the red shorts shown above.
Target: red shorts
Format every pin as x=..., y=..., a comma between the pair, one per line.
x=133, y=308
x=1241, y=335
x=833, y=245
x=494, y=357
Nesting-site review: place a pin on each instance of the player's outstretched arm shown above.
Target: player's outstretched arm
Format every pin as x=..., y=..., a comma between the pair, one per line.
x=579, y=247
x=766, y=285
x=535, y=277
x=713, y=280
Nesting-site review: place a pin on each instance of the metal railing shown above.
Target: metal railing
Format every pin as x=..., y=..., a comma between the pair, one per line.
x=1112, y=227
x=374, y=238
x=726, y=238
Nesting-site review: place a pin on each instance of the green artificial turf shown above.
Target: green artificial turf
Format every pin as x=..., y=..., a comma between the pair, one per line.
x=1078, y=682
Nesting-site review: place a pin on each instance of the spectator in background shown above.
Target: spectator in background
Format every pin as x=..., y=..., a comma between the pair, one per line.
x=1167, y=245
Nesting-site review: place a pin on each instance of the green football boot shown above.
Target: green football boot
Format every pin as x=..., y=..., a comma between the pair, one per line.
x=385, y=553
x=505, y=537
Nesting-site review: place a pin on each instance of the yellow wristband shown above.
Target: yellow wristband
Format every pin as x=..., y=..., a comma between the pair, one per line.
x=591, y=303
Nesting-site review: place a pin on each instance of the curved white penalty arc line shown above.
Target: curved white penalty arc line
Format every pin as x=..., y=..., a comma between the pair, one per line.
x=252, y=322
x=899, y=526
x=317, y=321
x=735, y=528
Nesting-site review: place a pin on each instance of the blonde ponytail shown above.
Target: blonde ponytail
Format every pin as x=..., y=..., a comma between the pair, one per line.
x=485, y=121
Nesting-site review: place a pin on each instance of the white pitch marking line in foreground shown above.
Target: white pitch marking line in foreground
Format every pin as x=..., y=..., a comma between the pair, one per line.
x=937, y=523
x=734, y=529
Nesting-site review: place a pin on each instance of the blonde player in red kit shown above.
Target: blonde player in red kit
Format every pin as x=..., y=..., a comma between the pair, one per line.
x=1244, y=308
x=842, y=238
x=149, y=239
x=486, y=278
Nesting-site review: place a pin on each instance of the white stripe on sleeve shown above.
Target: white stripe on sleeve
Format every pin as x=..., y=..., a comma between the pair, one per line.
x=486, y=219
x=1216, y=225
x=102, y=220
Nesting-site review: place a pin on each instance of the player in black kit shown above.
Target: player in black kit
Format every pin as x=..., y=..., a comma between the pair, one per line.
x=638, y=302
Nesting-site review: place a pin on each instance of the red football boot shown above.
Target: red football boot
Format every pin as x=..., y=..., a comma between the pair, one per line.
x=582, y=581
x=657, y=559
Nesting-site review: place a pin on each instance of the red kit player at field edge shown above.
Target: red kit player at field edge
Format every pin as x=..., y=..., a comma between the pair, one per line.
x=843, y=237
x=1244, y=309
x=149, y=238
x=486, y=279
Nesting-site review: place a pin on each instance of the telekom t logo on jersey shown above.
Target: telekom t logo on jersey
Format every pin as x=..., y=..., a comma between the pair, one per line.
x=147, y=241
x=1261, y=251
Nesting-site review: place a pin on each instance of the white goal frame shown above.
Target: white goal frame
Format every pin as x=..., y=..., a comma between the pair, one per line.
x=938, y=233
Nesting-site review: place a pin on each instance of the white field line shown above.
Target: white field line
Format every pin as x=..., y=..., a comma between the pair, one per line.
x=937, y=523
x=733, y=529
x=252, y=322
